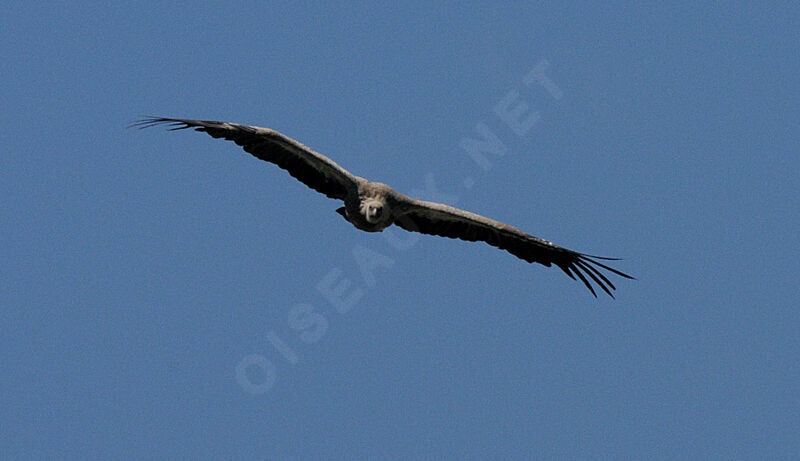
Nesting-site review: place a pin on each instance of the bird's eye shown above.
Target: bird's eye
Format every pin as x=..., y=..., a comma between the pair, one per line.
x=377, y=211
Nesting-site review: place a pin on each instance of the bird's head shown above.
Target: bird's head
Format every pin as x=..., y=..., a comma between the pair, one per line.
x=373, y=211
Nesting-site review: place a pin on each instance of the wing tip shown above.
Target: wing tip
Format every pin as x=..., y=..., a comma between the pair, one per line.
x=581, y=265
x=173, y=123
x=150, y=121
x=593, y=260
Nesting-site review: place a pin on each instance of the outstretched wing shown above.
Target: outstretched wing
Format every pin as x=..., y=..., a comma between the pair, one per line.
x=309, y=167
x=446, y=221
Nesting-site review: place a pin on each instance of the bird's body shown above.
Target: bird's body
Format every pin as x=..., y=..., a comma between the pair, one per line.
x=373, y=206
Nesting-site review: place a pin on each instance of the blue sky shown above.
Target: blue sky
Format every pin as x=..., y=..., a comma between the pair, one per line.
x=167, y=295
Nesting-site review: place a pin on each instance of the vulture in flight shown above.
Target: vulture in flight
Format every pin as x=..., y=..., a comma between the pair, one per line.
x=373, y=206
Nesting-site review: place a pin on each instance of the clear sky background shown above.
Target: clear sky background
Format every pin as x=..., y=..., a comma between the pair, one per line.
x=167, y=295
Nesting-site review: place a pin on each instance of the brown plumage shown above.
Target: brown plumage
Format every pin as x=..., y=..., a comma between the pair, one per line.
x=373, y=206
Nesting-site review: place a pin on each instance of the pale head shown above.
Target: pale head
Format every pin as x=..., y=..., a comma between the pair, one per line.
x=372, y=210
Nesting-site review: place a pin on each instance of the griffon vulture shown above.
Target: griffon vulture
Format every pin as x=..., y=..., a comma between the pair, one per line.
x=372, y=206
